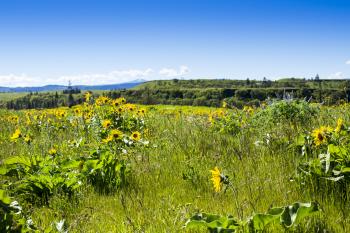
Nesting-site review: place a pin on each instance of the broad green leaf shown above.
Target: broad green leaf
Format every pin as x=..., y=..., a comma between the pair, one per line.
x=213, y=222
x=345, y=169
x=300, y=140
x=260, y=221
x=3, y=170
x=297, y=211
x=18, y=160
x=90, y=166
x=337, y=151
x=70, y=164
x=4, y=198
x=333, y=149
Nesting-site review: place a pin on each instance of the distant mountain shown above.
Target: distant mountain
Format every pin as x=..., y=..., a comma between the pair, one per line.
x=107, y=87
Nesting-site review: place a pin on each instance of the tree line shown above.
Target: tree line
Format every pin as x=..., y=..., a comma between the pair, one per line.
x=202, y=93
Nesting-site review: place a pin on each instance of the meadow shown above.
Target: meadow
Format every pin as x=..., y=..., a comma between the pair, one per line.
x=110, y=166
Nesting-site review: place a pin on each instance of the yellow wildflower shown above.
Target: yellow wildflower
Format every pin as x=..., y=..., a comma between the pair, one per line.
x=320, y=135
x=27, y=139
x=106, y=124
x=116, y=103
x=216, y=178
x=122, y=100
x=224, y=104
x=52, y=151
x=130, y=107
x=14, y=119
x=248, y=109
x=60, y=114
x=102, y=100
x=339, y=126
x=28, y=122
x=115, y=134
x=17, y=134
x=120, y=110
x=87, y=96
x=211, y=118
x=141, y=111
x=136, y=136
x=77, y=111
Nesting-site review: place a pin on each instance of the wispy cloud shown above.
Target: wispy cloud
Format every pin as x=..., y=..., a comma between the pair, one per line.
x=116, y=76
x=347, y=62
x=337, y=75
x=170, y=72
x=12, y=80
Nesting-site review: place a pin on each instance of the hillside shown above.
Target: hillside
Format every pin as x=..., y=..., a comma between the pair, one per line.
x=228, y=83
x=81, y=87
x=203, y=92
x=206, y=92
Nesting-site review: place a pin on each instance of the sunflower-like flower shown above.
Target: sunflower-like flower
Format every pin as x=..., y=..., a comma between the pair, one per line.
x=119, y=110
x=114, y=135
x=27, y=139
x=102, y=100
x=60, y=114
x=141, y=111
x=320, y=135
x=77, y=111
x=122, y=100
x=217, y=179
x=52, y=151
x=224, y=104
x=136, y=136
x=87, y=96
x=17, y=134
x=211, y=119
x=14, y=119
x=115, y=103
x=106, y=124
x=340, y=125
x=248, y=109
x=130, y=107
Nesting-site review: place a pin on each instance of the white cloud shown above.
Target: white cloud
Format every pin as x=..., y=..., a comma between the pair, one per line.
x=14, y=80
x=170, y=72
x=337, y=75
x=116, y=76
x=184, y=70
x=347, y=62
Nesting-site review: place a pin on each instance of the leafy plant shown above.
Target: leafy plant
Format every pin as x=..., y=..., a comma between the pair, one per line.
x=287, y=216
x=11, y=217
x=327, y=158
x=293, y=113
x=105, y=171
x=35, y=177
x=214, y=223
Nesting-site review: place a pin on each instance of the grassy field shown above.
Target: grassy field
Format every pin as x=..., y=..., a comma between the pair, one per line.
x=6, y=96
x=156, y=174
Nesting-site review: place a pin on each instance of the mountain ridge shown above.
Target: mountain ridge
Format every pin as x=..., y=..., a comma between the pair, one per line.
x=53, y=87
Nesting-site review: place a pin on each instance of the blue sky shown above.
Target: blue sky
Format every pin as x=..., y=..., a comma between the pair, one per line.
x=95, y=42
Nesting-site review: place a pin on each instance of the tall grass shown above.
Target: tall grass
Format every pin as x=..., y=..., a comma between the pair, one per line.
x=171, y=180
